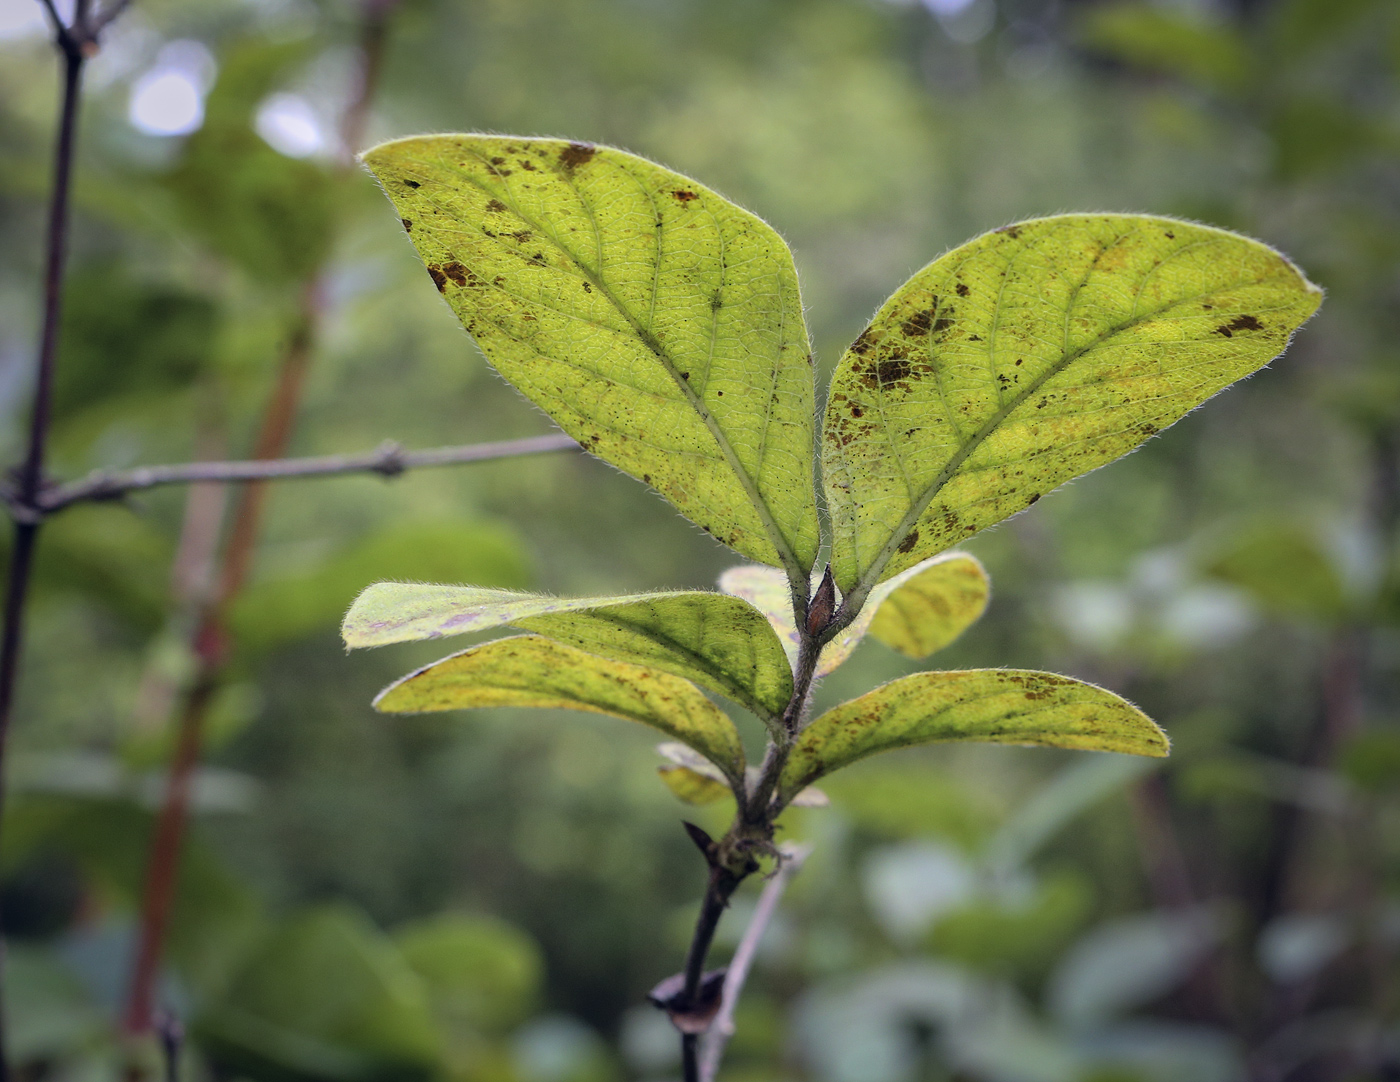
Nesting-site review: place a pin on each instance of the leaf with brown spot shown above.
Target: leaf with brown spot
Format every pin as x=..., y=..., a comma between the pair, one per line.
x=624, y=266
x=999, y=706
x=533, y=671
x=1072, y=340
x=718, y=641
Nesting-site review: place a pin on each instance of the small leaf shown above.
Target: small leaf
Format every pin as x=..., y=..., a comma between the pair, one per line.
x=656, y=322
x=999, y=706
x=532, y=671
x=1210, y=55
x=692, y=786
x=719, y=642
x=1028, y=357
x=917, y=612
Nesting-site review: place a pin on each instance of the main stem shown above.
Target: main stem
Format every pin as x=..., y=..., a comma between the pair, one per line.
x=731, y=860
x=31, y=472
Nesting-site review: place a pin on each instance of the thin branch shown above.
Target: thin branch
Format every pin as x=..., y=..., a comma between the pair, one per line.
x=32, y=470
x=388, y=460
x=722, y=1028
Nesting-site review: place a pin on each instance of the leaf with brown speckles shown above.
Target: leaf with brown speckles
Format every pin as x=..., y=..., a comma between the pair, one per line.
x=656, y=322
x=1030, y=356
x=532, y=671
x=718, y=641
x=999, y=706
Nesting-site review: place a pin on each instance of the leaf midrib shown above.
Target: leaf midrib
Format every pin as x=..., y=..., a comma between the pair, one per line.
x=784, y=551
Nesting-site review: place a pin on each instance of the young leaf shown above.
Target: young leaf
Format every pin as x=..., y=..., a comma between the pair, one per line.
x=532, y=671
x=719, y=642
x=917, y=612
x=1028, y=357
x=691, y=786
x=999, y=706
x=656, y=322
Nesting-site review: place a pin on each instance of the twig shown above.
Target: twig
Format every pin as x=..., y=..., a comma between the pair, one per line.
x=31, y=471
x=388, y=460
x=722, y=1028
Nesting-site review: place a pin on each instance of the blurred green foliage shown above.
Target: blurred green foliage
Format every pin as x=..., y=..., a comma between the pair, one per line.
x=1235, y=578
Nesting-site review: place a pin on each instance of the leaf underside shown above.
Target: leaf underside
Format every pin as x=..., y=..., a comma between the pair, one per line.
x=918, y=612
x=1000, y=706
x=1030, y=356
x=691, y=786
x=532, y=671
x=656, y=322
x=718, y=641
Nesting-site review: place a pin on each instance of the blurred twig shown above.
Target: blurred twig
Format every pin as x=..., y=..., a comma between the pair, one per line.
x=388, y=460
x=722, y=1028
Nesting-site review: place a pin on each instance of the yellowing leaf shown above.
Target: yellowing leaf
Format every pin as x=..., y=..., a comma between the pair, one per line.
x=1028, y=357
x=656, y=322
x=533, y=671
x=1000, y=706
x=931, y=604
x=719, y=642
x=916, y=612
x=691, y=786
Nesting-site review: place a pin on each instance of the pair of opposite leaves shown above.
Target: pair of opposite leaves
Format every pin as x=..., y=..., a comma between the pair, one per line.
x=661, y=326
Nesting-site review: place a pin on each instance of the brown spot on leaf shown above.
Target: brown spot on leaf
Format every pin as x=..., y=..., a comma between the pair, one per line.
x=943, y=323
x=716, y=302
x=1239, y=323
x=522, y=235
x=963, y=291
x=1012, y=231
x=1034, y=497
x=907, y=545
x=918, y=324
x=1170, y=235
x=861, y=346
x=587, y=288
x=498, y=161
x=685, y=196
x=495, y=206
x=439, y=279
x=577, y=155
x=407, y=224
x=413, y=184
x=537, y=259
x=856, y=411
x=892, y=370
x=457, y=273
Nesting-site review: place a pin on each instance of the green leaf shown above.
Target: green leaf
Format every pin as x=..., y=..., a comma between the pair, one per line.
x=656, y=322
x=1283, y=568
x=917, y=612
x=719, y=642
x=270, y=214
x=325, y=994
x=532, y=671
x=1027, y=357
x=481, y=974
x=1147, y=36
x=691, y=786
x=998, y=706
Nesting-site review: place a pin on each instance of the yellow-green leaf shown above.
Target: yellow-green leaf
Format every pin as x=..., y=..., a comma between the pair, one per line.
x=718, y=641
x=999, y=706
x=656, y=322
x=1028, y=357
x=691, y=786
x=917, y=612
x=532, y=671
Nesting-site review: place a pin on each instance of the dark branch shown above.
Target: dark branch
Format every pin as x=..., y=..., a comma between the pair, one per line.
x=388, y=460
